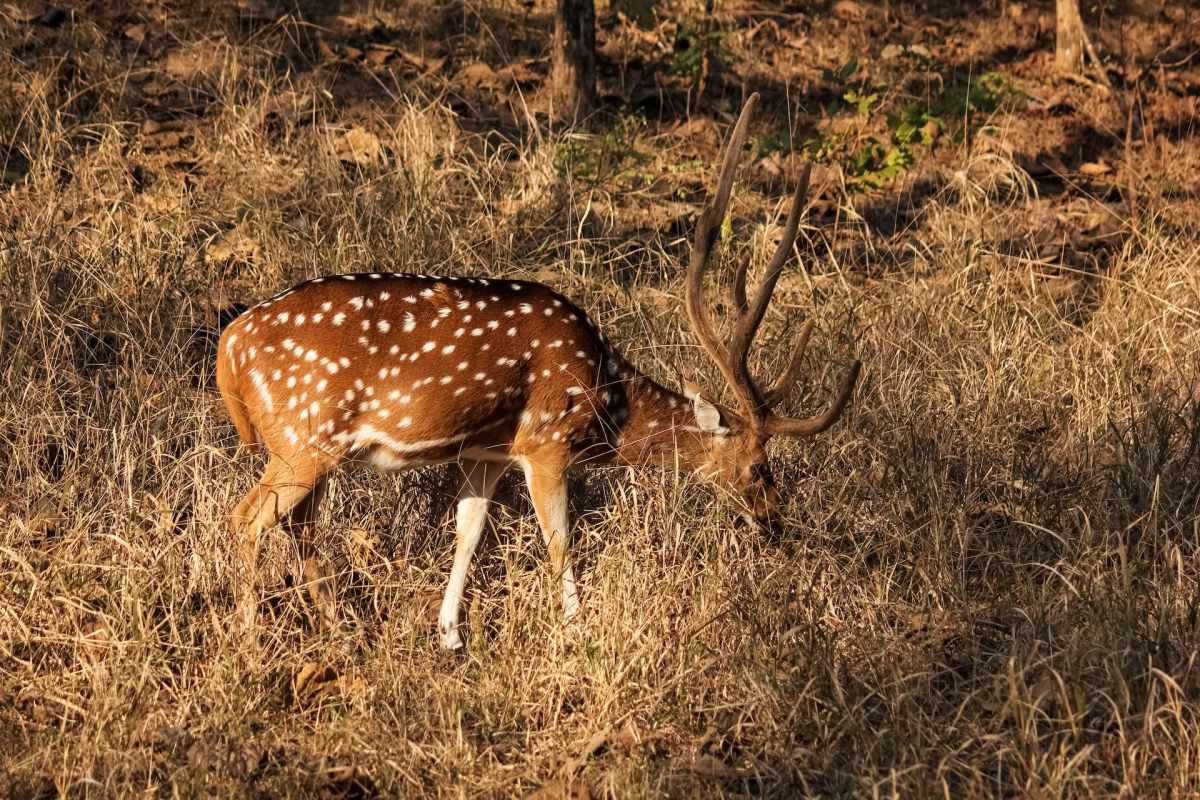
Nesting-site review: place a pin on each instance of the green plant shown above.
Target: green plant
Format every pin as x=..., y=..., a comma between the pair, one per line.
x=610, y=156
x=963, y=101
x=872, y=160
x=695, y=45
x=867, y=162
x=874, y=166
x=914, y=124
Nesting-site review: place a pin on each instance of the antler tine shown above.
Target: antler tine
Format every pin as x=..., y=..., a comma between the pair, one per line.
x=731, y=156
x=748, y=323
x=708, y=227
x=785, y=426
x=789, y=377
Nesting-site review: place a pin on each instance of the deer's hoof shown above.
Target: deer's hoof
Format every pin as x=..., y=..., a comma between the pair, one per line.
x=570, y=608
x=451, y=640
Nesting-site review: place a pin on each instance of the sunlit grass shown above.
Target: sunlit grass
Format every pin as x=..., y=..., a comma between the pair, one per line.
x=987, y=584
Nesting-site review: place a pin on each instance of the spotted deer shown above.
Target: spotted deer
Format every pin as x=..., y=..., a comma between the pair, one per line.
x=401, y=371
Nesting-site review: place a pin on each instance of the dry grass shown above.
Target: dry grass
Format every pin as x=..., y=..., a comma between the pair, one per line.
x=989, y=584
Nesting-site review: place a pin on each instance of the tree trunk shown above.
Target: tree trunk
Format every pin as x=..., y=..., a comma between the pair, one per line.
x=1069, y=38
x=574, y=69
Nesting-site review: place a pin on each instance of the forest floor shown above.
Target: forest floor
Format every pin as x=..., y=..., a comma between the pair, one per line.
x=989, y=578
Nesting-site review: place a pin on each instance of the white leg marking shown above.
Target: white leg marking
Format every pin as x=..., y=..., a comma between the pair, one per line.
x=561, y=524
x=473, y=501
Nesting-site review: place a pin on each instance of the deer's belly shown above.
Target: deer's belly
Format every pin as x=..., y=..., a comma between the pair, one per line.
x=388, y=459
x=385, y=459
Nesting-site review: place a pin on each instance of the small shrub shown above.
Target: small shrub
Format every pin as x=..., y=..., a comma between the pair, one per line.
x=611, y=156
x=870, y=161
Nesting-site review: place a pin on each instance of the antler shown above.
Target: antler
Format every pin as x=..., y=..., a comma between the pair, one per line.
x=708, y=227
x=734, y=361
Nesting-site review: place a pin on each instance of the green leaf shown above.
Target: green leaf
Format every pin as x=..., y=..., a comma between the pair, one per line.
x=862, y=101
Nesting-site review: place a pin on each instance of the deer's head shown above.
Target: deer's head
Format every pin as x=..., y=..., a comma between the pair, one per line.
x=735, y=456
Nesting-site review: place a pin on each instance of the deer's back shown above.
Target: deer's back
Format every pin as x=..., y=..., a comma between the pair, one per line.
x=408, y=368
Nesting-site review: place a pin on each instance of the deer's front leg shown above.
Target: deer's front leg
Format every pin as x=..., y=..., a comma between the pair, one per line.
x=470, y=517
x=548, y=490
x=284, y=484
x=314, y=572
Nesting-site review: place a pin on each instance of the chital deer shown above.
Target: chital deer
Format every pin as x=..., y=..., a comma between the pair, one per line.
x=402, y=371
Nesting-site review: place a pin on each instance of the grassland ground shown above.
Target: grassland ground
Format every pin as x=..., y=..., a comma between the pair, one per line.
x=988, y=580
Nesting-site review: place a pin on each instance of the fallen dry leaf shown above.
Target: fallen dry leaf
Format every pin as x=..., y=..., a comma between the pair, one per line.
x=848, y=9
x=95, y=642
x=1061, y=288
x=311, y=680
x=377, y=54
x=314, y=682
x=156, y=88
x=481, y=76
x=163, y=136
x=252, y=754
x=1051, y=164
x=364, y=548
x=380, y=54
x=1094, y=168
x=698, y=132
x=184, y=64
x=893, y=51
x=347, y=780
x=519, y=73
x=628, y=737
x=425, y=64
x=288, y=104
x=151, y=126
x=357, y=22
x=160, y=202
x=797, y=41
x=358, y=146
x=233, y=245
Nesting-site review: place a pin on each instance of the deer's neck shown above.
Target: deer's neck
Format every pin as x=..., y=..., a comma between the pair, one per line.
x=660, y=429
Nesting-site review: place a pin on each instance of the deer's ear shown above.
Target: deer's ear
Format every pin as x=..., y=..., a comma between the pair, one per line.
x=708, y=416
